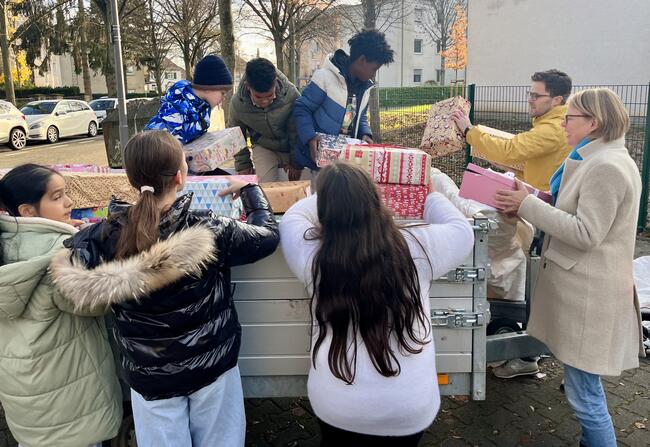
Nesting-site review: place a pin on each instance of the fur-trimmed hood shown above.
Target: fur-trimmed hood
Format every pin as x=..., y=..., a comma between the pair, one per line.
x=186, y=252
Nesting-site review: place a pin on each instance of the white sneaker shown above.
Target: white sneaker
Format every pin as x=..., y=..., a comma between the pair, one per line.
x=514, y=368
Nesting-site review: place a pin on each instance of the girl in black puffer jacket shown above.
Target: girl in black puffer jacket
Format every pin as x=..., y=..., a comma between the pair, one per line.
x=165, y=272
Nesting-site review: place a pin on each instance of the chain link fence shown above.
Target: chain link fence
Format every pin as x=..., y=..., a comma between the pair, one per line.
x=404, y=114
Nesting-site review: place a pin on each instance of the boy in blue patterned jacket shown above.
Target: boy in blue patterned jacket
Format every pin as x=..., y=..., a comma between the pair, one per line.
x=336, y=100
x=185, y=109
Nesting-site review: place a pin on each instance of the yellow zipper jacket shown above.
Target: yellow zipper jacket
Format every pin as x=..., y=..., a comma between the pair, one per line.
x=543, y=148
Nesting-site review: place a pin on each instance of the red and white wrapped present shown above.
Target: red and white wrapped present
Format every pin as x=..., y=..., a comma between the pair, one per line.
x=212, y=149
x=406, y=201
x=331, y=146
x=391, y=164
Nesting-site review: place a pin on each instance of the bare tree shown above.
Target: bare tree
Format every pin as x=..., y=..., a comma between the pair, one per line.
x=381, y=14
x=227, y=43
x=282, y=20
x=155, y=43
x=194, y=27
x=437, y=21
x=83, y=50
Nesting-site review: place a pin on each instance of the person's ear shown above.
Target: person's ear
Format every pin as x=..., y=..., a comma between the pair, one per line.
x=557, y=101
x=178, y=178
x=26, y=210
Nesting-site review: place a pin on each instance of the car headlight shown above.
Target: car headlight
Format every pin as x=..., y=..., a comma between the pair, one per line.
x=36, y=126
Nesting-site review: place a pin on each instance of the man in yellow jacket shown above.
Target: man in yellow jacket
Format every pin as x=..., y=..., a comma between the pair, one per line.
x=544, y=147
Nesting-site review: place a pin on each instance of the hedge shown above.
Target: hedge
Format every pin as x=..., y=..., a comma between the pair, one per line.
x=45, y=91
x=411, y=96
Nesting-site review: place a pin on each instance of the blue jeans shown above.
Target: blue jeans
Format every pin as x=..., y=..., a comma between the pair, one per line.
x=586, y=395
x=210, y=417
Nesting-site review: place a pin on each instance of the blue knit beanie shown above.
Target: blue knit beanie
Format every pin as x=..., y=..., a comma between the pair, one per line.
x=211, y=73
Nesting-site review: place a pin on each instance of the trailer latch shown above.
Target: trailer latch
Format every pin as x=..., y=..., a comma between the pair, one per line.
x=466, y=274
x=457, y=319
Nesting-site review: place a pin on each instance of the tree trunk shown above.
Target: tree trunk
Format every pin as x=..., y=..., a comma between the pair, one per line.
x=442, y=70
x=109, y=66
x=88, y=91
x=291, y=60
x=369, y=19
x=6, y=60
x=227, y=43
x=279, y=53
x=188, y=64
x=158, y=75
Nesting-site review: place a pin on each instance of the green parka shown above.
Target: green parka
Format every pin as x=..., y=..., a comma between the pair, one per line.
x=272, y=128
x=58, y=386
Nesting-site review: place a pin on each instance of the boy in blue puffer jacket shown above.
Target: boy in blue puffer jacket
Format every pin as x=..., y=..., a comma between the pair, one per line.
x=336, y=100
x=185, y=109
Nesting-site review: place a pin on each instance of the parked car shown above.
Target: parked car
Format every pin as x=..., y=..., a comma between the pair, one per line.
x=13, y=126
x=51, y=119
x=102, y=107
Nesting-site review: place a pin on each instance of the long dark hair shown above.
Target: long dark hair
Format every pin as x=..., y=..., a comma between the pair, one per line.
x=365, y=280
x=24, y=184
x=151, y=158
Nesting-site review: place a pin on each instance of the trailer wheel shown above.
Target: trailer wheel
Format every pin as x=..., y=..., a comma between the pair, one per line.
x=126, y=436
x=501, y=326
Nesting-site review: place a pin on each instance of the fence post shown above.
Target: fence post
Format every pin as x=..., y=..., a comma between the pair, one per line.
x=645, y=169
x=470, y=97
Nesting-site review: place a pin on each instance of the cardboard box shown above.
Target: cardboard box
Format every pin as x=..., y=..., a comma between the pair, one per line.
x=519, y=167
x=212, y=149
x=481, y=184
x=95, y=190
x=391, y=164
x=441, y=135
x=282, y=195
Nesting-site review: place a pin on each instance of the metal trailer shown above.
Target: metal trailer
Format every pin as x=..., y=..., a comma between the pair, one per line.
x=273, y=309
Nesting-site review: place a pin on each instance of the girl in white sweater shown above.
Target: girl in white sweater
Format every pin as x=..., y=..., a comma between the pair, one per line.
x=373, y=374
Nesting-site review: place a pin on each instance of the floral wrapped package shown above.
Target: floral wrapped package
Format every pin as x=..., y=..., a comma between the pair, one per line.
x=331, y=146
x=212, y=149
x=441, y=135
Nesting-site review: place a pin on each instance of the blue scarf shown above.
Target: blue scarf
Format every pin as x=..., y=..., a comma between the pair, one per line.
x=556, y=178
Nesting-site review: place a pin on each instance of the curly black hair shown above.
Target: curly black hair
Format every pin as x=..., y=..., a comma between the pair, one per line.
x=260, y=74
x=371, y=44
x=557, y=82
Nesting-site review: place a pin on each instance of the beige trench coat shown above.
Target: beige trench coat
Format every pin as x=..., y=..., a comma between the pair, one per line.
x=584, y=306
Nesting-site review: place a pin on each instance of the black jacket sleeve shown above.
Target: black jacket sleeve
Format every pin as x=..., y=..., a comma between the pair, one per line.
x=243, y=243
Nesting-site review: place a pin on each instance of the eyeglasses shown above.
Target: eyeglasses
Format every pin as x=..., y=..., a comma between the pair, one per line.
x=566, y=117
x=535, y=96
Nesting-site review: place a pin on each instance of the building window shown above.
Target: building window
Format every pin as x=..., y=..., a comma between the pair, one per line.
x=170, y=75
x=417, y=75
x=175, y=75
x=438, y=75
x=417, y=46
x=417, y=14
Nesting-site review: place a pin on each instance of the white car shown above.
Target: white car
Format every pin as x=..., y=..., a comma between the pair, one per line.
x=102, y=107
x=52, y=119
x=13, y=126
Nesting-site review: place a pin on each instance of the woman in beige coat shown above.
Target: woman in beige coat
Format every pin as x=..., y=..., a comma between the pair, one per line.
x=584, y=307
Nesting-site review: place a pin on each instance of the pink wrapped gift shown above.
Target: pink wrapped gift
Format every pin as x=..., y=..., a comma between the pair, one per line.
x=78, y=167
x=481, y=184
x=391, y=164
x=441, y=135
x=212, y=149
x=406, y=201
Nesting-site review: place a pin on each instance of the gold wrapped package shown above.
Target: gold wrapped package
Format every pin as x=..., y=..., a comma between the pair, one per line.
x=94, y=190
x=284, y=194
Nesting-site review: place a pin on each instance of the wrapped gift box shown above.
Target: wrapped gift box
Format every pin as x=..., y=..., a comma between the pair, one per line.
x=441, y=135
x=406, y=201
x=95, y=190
x=90, y=215
x=206, y=190
x=331, y=146
x=212, y=149
x=498, y=134
x=481, y=184
x=390, y=164
x=282, y=195
x=78, y=167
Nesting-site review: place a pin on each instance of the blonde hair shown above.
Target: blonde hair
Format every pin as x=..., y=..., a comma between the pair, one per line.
x=604, y=106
